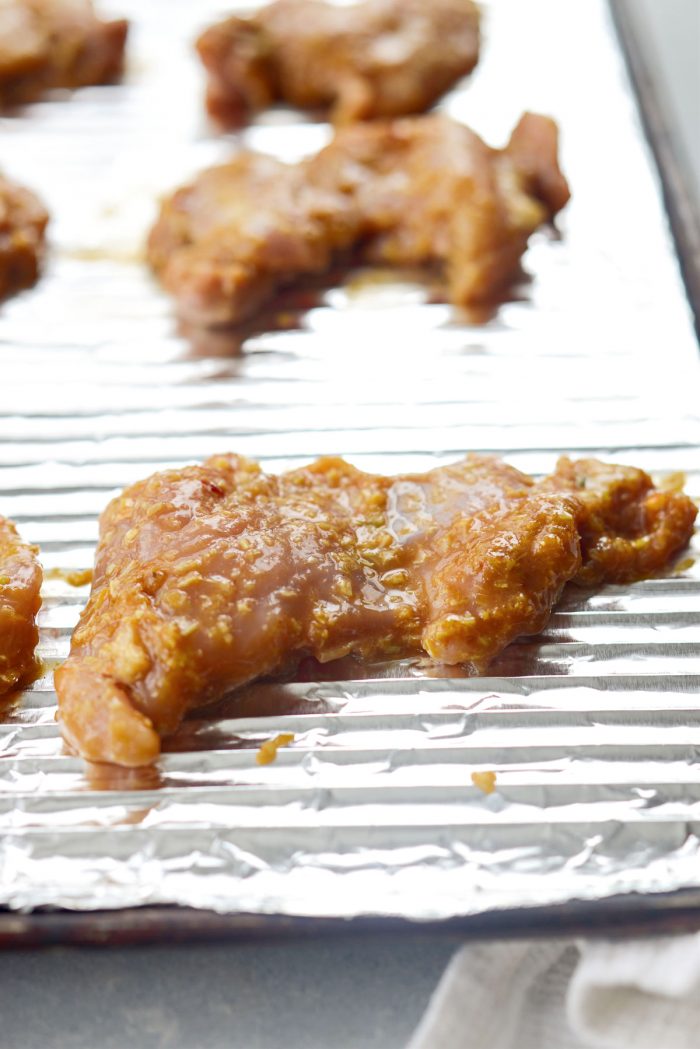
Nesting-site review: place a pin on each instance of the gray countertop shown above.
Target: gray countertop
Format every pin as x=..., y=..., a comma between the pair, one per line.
x=353, y=991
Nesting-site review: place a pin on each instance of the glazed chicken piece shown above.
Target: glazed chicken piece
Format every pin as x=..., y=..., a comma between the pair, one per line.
x=20, y=586
x=378, y=58
x=47, y=44
x=23, y=221
x=213, y=575
x=414, y=191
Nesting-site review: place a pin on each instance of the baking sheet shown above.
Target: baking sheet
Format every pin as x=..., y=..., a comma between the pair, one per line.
x=592, y=728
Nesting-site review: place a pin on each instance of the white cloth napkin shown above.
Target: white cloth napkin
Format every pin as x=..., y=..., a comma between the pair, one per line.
x=632, y=994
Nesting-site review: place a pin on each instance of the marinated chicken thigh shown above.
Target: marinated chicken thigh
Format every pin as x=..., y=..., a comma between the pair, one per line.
x=377, y=58
x=210, y=576
x=23, y=221
x=20, y=586
x=46, y=44
x=627, y=526
x=414, y=191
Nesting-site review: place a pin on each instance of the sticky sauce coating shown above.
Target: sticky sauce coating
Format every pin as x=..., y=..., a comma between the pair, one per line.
x=210, y=576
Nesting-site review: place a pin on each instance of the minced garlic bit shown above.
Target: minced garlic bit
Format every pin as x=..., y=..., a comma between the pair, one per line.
x=268, y=750
x=485, y=781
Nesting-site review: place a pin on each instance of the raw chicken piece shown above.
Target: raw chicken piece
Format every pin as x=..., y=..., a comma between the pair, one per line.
x=628, y=527
x=210, y=576
x=23, y=221
x=20, y=586
x=378, y=58
x=415, y=191
x=46, y=44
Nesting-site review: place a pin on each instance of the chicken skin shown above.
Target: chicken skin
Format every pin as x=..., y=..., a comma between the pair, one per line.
x=414, y=191
x=377, y=58
x=47, y=44
x=212, y=575
x=23, y=221
x=20, y=586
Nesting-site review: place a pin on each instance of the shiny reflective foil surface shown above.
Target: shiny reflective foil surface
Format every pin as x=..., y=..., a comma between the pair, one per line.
x=592, y=729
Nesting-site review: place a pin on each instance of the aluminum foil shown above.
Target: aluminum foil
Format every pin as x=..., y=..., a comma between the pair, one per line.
x=592, y=728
